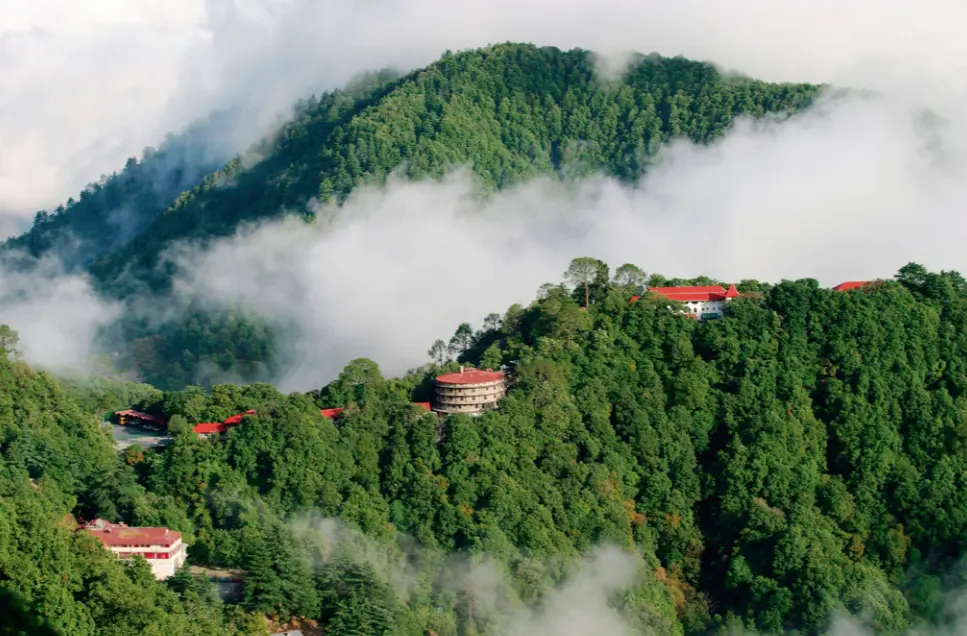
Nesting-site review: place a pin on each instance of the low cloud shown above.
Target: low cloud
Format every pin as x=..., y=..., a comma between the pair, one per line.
x=57, y=316
x=87, y=86
x=852, y=190
x=580, y=604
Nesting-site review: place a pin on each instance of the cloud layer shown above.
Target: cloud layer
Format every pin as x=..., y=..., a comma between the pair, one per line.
x=853, y=191
x=850, y=191
x=87, y=85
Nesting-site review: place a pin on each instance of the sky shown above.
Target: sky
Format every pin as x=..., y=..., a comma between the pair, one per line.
x=833, y=196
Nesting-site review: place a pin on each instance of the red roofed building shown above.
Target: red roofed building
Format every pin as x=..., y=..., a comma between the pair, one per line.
x=700, y=302
x=851, y=285
x=208, y=429
x=330, y=414
x=471, y=391
x=161, y=547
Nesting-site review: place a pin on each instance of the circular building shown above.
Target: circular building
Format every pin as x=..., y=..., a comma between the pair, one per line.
x=470, y=391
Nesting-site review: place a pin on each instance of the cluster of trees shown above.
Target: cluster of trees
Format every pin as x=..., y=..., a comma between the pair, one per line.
x=801, y=456
x=511, y=112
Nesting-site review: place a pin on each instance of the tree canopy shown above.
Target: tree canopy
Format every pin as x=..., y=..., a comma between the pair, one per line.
x=799, y=457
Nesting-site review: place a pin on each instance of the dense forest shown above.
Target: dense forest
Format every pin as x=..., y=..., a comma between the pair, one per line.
x=802, y=456
x=511, y=112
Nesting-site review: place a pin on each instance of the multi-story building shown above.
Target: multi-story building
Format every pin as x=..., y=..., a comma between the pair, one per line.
x=162, y=548
x=470, y=391
x=700, y=302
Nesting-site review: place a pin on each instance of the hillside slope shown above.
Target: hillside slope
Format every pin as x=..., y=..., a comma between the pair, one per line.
x=110, y=212
x=511, y=112
x=801, y=457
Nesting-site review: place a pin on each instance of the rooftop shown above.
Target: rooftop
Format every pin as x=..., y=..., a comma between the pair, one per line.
x=207, y=428
x=118, y=534
x=471, y=376
x=851, y=284
x=696, y=293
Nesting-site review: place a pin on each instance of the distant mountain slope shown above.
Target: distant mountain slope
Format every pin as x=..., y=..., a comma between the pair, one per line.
x=511, y=111
x=111, y=211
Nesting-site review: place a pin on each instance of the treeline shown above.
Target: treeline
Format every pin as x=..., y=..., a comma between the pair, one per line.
x=511, y=112
x=802, y=456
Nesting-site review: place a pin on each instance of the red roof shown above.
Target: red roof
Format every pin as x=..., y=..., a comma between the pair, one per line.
x=330, y=413
x=471, y=376
x=424, y=405
x=207, y=428
x=118, y=535
x=138, y=415
x=851, y=284
x=237, y=419
x=697, y=293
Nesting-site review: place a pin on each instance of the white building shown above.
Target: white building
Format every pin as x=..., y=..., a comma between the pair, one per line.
x=700, y=302
x=163, y=549
x=471, y=391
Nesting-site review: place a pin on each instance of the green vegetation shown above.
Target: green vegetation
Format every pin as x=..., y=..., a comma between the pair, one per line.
x=511, y=112
x=110, y=212
x=801, y=456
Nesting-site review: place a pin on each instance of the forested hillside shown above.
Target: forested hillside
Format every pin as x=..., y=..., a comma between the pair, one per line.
x=110, y=212
x=801, y=456
x=511, y=112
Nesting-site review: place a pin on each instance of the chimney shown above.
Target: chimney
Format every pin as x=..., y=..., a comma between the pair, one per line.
x=461, y=368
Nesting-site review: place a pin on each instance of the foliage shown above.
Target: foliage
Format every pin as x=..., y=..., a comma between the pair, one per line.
x=789, y=461
x=510, y=112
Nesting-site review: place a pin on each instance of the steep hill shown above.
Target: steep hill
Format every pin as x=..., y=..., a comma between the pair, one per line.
x=801, y=457
x=110, y=212
x=511, y=112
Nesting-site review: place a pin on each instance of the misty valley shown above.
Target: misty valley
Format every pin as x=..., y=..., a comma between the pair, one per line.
x=229, y=403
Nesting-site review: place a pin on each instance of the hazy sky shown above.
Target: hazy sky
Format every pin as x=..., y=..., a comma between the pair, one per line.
x=850, y=192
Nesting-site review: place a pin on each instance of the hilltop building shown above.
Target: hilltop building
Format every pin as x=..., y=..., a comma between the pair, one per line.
x=162, y=548
x=471, y=391
x=700, y=302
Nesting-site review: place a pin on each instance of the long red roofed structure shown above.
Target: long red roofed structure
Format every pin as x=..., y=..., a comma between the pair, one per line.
x=162, y=548
x=701, y=302
x=119, y=535
x=696, y=294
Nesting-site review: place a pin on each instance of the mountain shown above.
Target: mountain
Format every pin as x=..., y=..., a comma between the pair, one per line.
x=109, y=213
x=511, y=112
x=800, y=458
